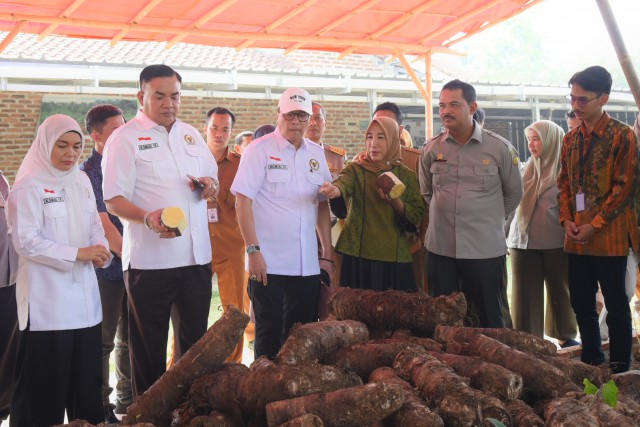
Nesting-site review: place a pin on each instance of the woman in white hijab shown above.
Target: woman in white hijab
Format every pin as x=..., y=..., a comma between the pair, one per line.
x=59, y=237
x=536, y=241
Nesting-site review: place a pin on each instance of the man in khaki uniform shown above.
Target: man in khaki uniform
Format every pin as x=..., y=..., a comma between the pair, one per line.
x=227, y=245
x=317, y=125
x=411, y=159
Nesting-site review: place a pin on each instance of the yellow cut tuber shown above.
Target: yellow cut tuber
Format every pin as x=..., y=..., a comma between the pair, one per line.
x=174, y=219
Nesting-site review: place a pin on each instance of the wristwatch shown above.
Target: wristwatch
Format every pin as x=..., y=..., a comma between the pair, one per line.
x=253, y=248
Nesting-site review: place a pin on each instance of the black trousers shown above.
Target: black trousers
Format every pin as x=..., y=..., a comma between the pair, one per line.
x=286, y=300
x=58, y=371
x=584, y=274
x=481, y=280
x=115, y=334
x=151, y=294
x=8, y=347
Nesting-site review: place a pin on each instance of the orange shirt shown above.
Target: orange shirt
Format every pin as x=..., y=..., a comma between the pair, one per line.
x=225, y=234
x=610, y=180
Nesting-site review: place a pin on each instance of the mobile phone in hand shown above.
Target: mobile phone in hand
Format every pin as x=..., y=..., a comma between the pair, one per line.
x=196, y=182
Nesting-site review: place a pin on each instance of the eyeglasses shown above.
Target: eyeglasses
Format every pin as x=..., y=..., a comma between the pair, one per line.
x=582, y=101
x=303, y=117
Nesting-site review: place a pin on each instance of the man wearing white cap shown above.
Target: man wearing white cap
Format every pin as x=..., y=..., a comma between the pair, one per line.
x=279, y=209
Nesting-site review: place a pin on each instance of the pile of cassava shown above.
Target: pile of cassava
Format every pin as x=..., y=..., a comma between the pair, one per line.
x=390, y=359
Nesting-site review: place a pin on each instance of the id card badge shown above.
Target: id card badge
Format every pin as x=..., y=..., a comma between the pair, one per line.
x=579, y=201
x=212, y=213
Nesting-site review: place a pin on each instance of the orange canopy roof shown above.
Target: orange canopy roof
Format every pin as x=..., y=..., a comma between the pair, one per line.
x=381, y=27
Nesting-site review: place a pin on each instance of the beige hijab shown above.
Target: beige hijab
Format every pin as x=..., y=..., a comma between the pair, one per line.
x=393, y=156
x=540, y=173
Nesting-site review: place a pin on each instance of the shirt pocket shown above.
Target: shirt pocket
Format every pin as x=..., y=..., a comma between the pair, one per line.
x=56, y=223
x=487, y=176
x=439, y=171
x=153, y=162
x=196, y=156
x=278, y=180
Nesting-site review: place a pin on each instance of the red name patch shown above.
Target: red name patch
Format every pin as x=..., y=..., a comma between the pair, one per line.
x=144, y=138
x=49, y=191
x=275, y=158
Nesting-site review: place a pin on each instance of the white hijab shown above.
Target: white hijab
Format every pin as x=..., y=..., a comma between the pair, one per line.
x=540, y=173
x=37, y=170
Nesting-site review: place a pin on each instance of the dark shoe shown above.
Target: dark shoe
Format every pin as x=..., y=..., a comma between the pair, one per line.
x=570, y=343
x=109, y=416
x=121, y=408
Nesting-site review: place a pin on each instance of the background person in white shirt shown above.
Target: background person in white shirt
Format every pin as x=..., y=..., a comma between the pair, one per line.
x=145, y=167
x=59, y=236
x=279, y=209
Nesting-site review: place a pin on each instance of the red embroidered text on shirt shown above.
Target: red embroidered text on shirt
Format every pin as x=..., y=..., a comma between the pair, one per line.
x=144, y=138
x=275, y=158
x=49, y=191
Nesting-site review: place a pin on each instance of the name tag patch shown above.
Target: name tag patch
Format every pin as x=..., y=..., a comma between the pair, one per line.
x=48, y=200
x=273, y=166
x=148, y=146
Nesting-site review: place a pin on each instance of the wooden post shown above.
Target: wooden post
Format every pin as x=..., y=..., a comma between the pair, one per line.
x=428, y=77
x=621, y=50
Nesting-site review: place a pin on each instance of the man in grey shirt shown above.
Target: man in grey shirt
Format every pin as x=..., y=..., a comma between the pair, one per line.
x=470, y=180
x=8, y=309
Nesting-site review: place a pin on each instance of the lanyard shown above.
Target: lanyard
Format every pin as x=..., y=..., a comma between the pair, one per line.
x=583, y=160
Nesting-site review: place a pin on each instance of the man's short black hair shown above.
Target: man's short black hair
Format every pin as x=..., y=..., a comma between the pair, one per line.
x=324, y=115
x=468, y=91
x=97, y=116
x=570, y=114
x=263, y=130
x=157, y=70
x=593, y=79
x=390, y=106
x=221, y=110
x=241, y=135
x=478, y=116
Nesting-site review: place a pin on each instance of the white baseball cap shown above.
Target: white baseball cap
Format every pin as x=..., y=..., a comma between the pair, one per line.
x=295, y=99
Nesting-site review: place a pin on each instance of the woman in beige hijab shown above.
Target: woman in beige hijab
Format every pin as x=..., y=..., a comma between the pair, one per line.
x=536, y=241
x=373, y=244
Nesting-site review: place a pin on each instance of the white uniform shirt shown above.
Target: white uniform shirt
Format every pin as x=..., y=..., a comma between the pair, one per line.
x=46, y=292
x=283, y=183
x=148, y=166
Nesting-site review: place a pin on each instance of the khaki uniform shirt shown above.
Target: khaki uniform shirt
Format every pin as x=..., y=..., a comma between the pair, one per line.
x=469, y=190
x=335, y=159
x=224, y=230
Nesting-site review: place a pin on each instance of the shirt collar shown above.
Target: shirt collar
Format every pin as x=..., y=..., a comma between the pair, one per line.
x=600, y=127
x=283, y=143
x=476, y=135
x=96, y=155
x=146, y=122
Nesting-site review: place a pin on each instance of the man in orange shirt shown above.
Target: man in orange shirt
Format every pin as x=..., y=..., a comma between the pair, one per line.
x=227, y=245
x=598, y=182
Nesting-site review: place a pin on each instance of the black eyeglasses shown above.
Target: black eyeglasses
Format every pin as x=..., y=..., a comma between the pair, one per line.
x=582, y=101
x=302, y=116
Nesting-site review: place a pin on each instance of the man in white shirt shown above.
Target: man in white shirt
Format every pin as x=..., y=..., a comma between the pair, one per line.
x=145, y=168
x=279, y=209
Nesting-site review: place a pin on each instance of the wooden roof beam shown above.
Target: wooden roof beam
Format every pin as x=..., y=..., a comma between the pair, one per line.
x=139, y=17
x=364, y=6
x=284, y=18
x=68, y=11
x=203, y=20
x=413, y=75
x=404, y=18
x=12, y=34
